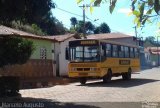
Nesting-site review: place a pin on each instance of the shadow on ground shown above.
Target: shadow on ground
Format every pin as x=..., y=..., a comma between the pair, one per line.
x=27, y=102
x=121, y=83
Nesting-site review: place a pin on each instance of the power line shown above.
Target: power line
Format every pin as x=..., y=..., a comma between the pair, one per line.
x=69, y=12
x=77, y=15
x=82, y=17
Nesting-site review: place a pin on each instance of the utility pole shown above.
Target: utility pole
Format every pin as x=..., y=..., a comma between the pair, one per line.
x=84, y=15
x=84, y=28
x=135, y=28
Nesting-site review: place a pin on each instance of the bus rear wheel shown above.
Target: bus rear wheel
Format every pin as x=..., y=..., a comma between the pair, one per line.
x=107, y=78
x=127, y=76
x=83, y=81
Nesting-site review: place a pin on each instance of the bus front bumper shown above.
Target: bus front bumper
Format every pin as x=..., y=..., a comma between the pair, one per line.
x=85, y=74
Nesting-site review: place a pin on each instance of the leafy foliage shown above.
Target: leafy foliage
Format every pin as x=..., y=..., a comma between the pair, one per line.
x=14, y=50
x=143, y=10
x=152, y=40
x=97, y=30
x=89, y=27
x=104, y=28
x=34, y=29
x=73, y=21
x=28, y=12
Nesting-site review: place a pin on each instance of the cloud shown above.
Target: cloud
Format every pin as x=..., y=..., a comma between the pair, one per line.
x=124, y=10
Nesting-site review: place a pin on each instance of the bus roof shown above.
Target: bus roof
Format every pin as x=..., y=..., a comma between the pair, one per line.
x=106, y=41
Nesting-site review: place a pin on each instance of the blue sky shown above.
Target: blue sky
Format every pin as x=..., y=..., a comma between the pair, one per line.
x=118, y=21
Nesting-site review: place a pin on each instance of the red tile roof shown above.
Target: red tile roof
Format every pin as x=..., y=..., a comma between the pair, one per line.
x=5, y=31
x=61, y=38
x=156, y=53
x=10, y=31
x=154, y=50
x=108, y=36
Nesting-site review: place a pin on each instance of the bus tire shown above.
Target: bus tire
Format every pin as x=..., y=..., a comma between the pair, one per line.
x=127, y=76
x=83, y=81
x=107, y=78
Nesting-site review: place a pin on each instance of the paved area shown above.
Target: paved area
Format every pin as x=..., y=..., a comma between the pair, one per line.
x=143, y=87
x=143, y=91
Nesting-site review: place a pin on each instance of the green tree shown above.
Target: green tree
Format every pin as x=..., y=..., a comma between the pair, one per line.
x=97, y=30
x=79, y=27
x=152, y=40
x=89, y=27
x=74, y=22
x=14, y=50
x=104, y=28
x=30, y=12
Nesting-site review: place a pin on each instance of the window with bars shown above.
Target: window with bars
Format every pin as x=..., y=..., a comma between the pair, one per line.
x=43, y=53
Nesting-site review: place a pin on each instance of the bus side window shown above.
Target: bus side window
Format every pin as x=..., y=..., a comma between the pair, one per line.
x=136, y=52
x=131, y=53
x=103, y=50
x=67, y=53
x=126, y=52
x=115, y=51
x=108, y=50
x=121, y=51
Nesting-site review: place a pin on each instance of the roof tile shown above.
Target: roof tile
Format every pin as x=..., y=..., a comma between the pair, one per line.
x=108, y=36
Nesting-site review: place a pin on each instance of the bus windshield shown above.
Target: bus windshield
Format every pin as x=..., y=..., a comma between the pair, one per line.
x=84, y=54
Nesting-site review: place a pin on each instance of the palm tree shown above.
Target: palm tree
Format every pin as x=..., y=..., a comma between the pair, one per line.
x=73, y=22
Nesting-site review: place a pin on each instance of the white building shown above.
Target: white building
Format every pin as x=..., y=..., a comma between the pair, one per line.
x=60, y=45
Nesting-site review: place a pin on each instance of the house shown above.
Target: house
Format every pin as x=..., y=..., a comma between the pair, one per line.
x=61, y=43
x=124, y=38
x=41, y=63
x=154, y=52
x=119, y=37
x=48, y=59
x=147, y=60
x=154, y=56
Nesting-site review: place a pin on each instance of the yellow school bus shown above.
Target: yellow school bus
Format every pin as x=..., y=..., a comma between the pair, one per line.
x=104, y=59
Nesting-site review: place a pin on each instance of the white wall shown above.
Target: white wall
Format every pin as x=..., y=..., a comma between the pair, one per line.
x=61, y=62
x=53, y=59
x=57, y=52
x=63, y=68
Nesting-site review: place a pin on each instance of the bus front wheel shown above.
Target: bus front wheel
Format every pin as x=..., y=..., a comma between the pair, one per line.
x=127, y=76
x=107, y=78
x=83, y=81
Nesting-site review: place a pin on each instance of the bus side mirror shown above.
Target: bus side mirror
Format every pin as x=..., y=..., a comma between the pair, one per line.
x=67, y=53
